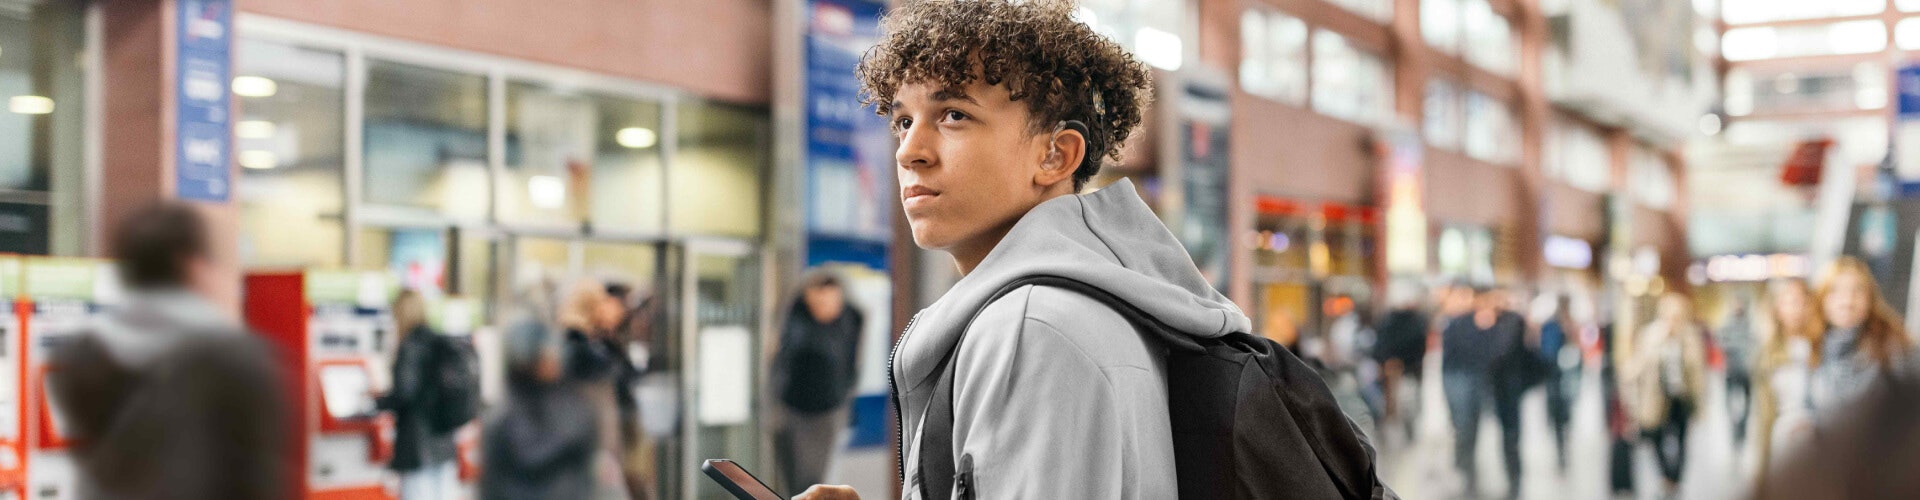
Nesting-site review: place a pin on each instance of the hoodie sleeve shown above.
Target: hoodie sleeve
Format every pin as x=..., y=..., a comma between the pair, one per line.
x=1037, y=417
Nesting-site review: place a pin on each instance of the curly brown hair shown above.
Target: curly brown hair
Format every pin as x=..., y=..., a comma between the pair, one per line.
x=1061, y=68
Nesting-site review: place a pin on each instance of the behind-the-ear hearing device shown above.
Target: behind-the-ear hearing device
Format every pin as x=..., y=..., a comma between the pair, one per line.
x=1075, y=125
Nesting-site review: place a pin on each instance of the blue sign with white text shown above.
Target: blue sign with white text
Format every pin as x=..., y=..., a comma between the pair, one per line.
x=202, y=128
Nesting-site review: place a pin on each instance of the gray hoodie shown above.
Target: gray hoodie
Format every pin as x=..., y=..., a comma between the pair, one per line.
x=1056, y=395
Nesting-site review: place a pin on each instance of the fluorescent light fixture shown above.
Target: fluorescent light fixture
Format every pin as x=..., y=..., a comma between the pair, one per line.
x=546, y=191
x=258, y=160
x=1158, y=48
x=1748, y=44
x=254, y=129
x=255, y=86
x=636, y=137
x=30, y=105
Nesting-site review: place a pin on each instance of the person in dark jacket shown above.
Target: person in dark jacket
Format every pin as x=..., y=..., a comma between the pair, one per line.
x=1477, y=350
x=166, y=397
x=593, y=364
x=542, y=444
x=815, y=372
x=1402, y=351
x=423, y=457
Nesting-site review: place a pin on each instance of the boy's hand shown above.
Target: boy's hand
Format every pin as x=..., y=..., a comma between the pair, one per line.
x=825, y=492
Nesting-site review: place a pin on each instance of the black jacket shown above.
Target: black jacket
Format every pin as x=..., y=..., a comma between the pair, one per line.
x=818, y=363
x=541, y=445
x=1403, y=336
x=415, y=444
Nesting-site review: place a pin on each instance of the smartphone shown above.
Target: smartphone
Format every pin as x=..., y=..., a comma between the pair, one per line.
x=738, y=481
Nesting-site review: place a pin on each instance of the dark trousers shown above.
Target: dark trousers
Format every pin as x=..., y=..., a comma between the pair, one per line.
x=1741, y=383
x=1467, y=396
x=1670, y=440
x=1560, y=409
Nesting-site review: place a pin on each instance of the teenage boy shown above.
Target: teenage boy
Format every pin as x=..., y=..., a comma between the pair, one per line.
x=1004, y=111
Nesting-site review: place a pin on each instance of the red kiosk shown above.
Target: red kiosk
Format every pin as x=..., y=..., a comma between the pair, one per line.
x=328, y=326
x=14, y=308
x=60, y=298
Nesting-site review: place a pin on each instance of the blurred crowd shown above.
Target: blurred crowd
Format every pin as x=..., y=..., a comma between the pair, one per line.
x=1805, y=362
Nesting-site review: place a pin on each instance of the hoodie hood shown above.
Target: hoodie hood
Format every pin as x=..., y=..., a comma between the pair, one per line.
x=152, y=321
x=1109, y=239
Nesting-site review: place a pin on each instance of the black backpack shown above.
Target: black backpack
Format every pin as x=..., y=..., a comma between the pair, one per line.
x=453, y=390
x=1249, y=419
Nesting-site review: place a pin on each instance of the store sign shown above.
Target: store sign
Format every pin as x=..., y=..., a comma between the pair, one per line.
x=1737, y=268
x=849, y=151
x=1908, y=82
x=202, y=126
x=1568, y=253
x=1406, y=224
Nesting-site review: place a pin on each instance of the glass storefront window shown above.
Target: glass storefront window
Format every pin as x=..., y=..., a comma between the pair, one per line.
x=1440, y=22
x=1807, y=89
x=1764, y=11
x=1906, y=34
x=290, y=145
x=1907, y=5
x=573, y=156
x=1768, y=42
x=1273, y=60
x=1651, y=183
x=1349, y=83
x=1441, y=117
x=1491, y=134
x=1380, y=11
x=42, y=78
x=714, y=185
x=1488, y=38
x=425, y=140
x=1153, y=31
x=1578, y=156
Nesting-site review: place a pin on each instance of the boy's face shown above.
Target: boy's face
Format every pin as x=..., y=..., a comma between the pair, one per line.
x=970, y=165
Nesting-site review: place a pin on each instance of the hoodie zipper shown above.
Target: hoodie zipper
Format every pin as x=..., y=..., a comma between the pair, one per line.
x=899, y=422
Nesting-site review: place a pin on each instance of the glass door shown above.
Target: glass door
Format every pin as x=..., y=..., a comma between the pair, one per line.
x=721, y=344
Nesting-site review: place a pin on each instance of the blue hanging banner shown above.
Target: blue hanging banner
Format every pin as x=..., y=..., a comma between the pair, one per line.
x=1909, y=86
x=202, y=125
x=849, y=152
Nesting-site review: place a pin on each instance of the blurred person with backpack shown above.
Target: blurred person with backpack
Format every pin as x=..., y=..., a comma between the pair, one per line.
x=814, y=375
x=167, y=396
x=427, y=402
x=1479, y=352
x=542, y=443
x=1081, y=335
x=1559, y=355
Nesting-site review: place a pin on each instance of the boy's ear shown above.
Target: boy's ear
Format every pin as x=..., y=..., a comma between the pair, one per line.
x=1066, y=150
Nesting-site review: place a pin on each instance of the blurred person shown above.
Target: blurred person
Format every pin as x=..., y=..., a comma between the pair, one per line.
x=1866, y=450
x=589, y=314
x=1478, y=347
x=1740, y=343
x=1562, y=380
x=423, y=456
x=167, y=396
x=1864, y=335
x=621, y=346
x=542, y=444
x=1004, y=110
x=1667, y=374
x=1792, y=327
x=1402, y=352
x=814, y=375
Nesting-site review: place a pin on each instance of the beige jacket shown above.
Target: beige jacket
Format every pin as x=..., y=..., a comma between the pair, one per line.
x=1648, y=402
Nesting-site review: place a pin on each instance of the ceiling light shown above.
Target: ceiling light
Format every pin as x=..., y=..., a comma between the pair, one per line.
x=258, y=160
x=636, y=137
x=30, y=105
x=255, y=86
x=546, y=192
x=253, y=129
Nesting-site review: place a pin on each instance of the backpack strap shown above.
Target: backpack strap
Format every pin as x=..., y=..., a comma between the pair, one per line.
x=936, y=457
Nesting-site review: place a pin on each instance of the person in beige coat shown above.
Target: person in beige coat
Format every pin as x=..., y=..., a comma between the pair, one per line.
x=1666, y=374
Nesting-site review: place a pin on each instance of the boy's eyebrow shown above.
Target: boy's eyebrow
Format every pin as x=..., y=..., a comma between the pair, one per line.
x=943, y=95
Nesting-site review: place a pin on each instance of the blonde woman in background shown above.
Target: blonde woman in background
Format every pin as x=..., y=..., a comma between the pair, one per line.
x=1791, y=327
x=589, y=314
x=1864, y=336
x=1667, y=374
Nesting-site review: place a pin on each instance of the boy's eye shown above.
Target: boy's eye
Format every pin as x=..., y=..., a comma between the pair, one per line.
x=956, y=116
x=902, y=124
